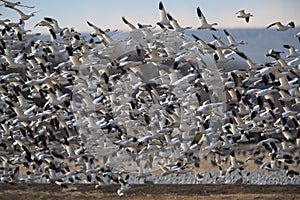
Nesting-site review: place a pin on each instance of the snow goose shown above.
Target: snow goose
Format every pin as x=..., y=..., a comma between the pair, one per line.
x=219, y=55
x=271, y=165
x=54, y=22
x=175, y=24
x=243, y=14
x=292, y=174
x=281, y=27
x=221, y=44
x=13, y=4
x=22, y=115
x=206, y=48
x=23, y=16
x=130, y=25
x=146, y=30
x=163, y=16
x=44, y=23
x=11, y=62
x=250, y=63
x=293, y=52
x=298, y=36
x=103, y=37
x=232, y=41
x=203, y=22
x=2, y=22
x=234, y=163
x=125, y=186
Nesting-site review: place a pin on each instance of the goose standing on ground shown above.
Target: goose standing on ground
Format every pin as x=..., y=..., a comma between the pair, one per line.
x=203, y=22
x=281, y=27
x=243, y=14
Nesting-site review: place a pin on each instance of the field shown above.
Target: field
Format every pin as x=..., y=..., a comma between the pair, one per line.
x=150, y=192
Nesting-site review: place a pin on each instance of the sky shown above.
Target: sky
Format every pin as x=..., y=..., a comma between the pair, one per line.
x=108, y=13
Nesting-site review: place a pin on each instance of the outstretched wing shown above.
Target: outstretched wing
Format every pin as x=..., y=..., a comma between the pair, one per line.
x=271, y=25
x=201, y=16
x=247, y=19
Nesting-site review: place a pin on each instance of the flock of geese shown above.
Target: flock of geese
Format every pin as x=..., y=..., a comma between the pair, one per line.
x=100, y=109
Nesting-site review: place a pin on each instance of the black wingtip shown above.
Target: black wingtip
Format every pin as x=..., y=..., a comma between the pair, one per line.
x=169, y=17
x=161, y=25
x=216, y=57
x=69, y=50
x=48, y=19
x=195, y=36
x=199, y=13
x=140, y=25
x=52, y=33
x=101, y=31
x=161, y=6
x=89, y=23
x=215, y=37
x=226, y=32
x=247, y=19
x=232, y=153
x=124, y=20
x=241, y=54
x=212, y=46
x=292, y=24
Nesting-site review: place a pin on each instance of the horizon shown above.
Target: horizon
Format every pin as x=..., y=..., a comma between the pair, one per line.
x=107, y=15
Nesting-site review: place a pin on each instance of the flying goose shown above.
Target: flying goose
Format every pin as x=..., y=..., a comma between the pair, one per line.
x=234, y=163
x=163, y=17
x=23, y=16
x=203, y=22
x=292, y=51
x=130, y=25
x=103, y=37
x=281, y=27
x=221, y=44
x=250, y=63
x=44, y=23
x=175, y=24
x=125, y=186
x=11, y=62
x=219, y=55
x=232, y=42
x=13, y=4
x=298, y=36
x=243, y=14
x=206, y=48
x=54, y=22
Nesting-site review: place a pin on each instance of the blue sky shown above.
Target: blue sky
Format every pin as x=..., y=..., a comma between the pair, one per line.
x=108, y=13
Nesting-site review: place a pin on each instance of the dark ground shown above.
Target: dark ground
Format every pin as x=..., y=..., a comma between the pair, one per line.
x=195, y=191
